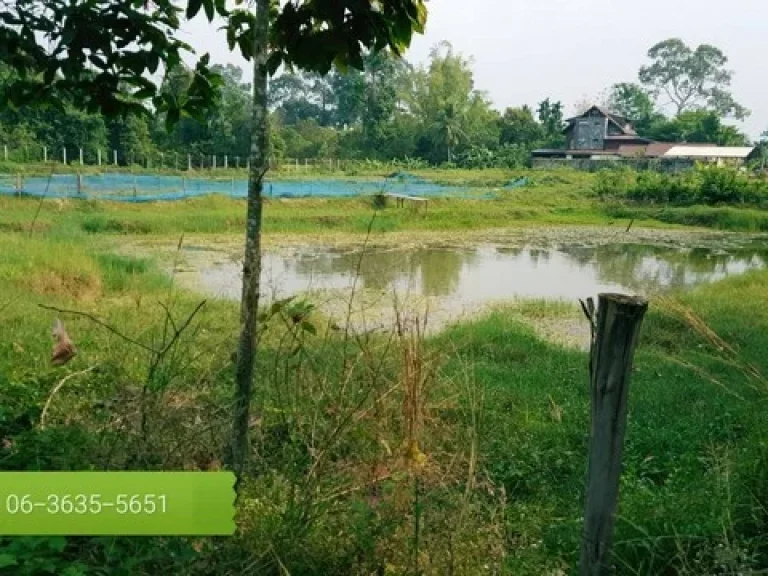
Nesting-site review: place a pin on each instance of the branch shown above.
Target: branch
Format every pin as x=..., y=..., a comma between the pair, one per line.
x=102, y=324
x=57, y=388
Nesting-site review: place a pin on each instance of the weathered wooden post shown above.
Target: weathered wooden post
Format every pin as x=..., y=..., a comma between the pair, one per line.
x=615, y=331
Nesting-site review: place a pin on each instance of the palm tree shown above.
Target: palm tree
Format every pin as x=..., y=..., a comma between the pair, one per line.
x=447, y=130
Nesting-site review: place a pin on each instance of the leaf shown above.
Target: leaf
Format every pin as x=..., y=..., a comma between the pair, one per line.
x=7, y=560
x=57, y=543
x=209, y=9
x=193, y=8
x=309, y=327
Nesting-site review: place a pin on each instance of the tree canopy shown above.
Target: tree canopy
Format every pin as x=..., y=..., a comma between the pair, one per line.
x=691, y=79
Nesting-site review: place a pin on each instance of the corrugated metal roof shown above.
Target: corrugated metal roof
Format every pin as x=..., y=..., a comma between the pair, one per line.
x=687, y=151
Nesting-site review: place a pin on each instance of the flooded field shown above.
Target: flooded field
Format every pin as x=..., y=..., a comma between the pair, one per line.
x=450, y=281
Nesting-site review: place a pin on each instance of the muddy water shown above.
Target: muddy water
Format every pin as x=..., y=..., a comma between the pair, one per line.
x=453, y=281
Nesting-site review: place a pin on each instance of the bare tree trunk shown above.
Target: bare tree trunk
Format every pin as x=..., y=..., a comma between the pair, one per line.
x=246, y=350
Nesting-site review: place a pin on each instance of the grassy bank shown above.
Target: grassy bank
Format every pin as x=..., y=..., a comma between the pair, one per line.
x=557, y=197
x=463, y=453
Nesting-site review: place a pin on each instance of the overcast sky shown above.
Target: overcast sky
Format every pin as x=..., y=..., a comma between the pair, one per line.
x=571, y=50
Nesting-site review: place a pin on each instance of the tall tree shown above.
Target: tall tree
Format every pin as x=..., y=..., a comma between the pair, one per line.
x=87, y=49
x=691, y=79
x=634, y=103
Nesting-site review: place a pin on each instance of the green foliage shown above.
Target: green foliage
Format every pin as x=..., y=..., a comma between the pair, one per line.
x=708, y=185
x=691, y=79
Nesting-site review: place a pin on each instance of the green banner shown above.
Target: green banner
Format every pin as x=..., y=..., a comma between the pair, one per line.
x=117, y=503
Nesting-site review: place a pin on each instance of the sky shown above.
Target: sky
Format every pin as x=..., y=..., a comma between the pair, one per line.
x=524, y=51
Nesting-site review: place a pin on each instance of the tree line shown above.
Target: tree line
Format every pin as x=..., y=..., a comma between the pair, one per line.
x=389, y=110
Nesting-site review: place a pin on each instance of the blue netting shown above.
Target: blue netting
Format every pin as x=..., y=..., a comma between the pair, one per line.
x=144, y=188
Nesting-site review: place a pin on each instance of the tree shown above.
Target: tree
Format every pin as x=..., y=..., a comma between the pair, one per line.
x=634, y=103
x=698, y=126
x=691, y=79
x=87, y=50
x=518, y=126
x=551, y=118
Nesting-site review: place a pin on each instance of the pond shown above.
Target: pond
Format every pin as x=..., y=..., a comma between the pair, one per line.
x=458, y=280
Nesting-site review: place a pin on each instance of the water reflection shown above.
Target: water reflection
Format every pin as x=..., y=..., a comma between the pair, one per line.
x=488, y=273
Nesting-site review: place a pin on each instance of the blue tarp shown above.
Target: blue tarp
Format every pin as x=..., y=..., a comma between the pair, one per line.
x=144, y=188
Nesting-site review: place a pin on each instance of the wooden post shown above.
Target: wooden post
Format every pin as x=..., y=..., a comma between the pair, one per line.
x=615, y=331
x=189, y=161
x=45, y=154
x=202, y=161
x=213, y=162
x=114, y=157
x=237, y=162
x=226, y=162
x=81, y=156
x=98, y=156
x=64, y=155
x=5, y=152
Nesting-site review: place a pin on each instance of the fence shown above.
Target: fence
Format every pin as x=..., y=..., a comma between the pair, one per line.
x=106, y=158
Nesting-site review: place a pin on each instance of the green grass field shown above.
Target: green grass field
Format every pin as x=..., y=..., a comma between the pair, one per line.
x=483, y=473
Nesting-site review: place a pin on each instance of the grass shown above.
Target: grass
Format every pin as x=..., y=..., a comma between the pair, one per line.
x=460, y=453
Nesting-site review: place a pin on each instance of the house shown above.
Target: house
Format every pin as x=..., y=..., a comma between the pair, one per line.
x=598, y=134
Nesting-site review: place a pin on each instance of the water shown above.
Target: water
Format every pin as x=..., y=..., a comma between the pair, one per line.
x=462, y=279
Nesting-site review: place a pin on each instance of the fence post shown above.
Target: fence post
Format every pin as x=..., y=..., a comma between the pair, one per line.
x=19, y=184
x=79, y=184
x=81, y=156
x=297, y=165
x=248, y=164
x=114, y=157
x=98, y=156
x=45, y=154
x=615, y=329
x=237, y=162
x=213, y=162
x=5, y=152
x=202, y=161
x=226, y=162
x=64, y=155
x=189, y=161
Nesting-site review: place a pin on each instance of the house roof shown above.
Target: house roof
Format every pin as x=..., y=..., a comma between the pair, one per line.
x=703, y=151
x=621, y=122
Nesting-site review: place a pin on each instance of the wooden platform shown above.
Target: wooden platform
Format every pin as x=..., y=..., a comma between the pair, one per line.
x=401, y=198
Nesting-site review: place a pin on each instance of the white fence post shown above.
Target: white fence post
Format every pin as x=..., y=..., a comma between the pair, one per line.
x=114, y=157
x=213, y=162
x=5, y=152
x=64, y=154
x=98, y=156
x=189, y=161
x=226, y=162
x=81, y=156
